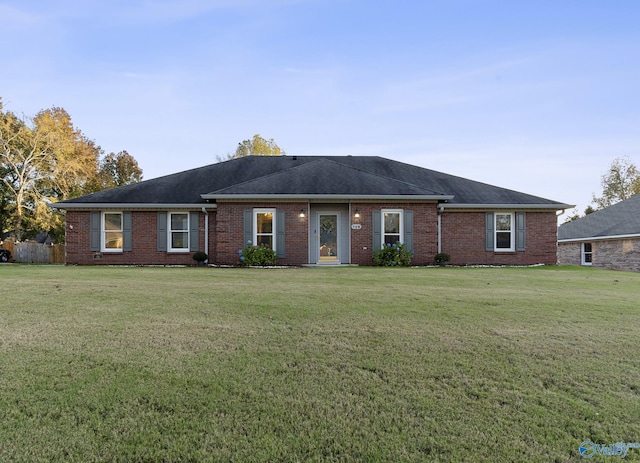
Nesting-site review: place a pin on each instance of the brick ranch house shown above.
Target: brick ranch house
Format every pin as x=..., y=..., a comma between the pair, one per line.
x=311, y=210
x=608, y=238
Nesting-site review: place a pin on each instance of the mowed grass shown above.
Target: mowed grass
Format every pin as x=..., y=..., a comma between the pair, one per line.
x=338, y=364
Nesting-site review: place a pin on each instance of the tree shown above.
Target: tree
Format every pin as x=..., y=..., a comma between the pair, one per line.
x=47, y=159
x=74, y=164
x=621, y=182
x=257, y=146
x=118, y=170
x=24, y=157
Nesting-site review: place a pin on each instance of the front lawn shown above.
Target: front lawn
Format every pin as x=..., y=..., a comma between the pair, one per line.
x=338, y=364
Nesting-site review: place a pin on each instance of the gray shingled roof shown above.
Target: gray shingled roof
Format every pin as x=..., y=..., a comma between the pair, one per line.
x=620, y=219
x=307, y=176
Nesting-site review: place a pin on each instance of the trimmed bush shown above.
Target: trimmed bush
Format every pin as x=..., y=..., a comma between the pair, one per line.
x=393, y=255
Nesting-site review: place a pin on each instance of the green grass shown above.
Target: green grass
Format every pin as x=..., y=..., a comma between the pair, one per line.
x=340, y=364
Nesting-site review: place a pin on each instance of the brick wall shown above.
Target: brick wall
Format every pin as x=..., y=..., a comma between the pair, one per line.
x=425, y=231
x=144, y=244
x=463, y=237
x=569, y=253
x=230, y=231
x=622, y=254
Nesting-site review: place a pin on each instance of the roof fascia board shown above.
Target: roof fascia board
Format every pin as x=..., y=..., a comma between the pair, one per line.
x=599, y=238
x=133, y=206
x=326, y=197
x=555, y=207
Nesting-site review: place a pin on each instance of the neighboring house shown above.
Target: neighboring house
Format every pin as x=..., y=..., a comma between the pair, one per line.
x=608, y=238
x=310, y=210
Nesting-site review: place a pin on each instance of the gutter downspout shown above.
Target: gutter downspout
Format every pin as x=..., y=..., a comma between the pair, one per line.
x=440, y=210
x=206, y=233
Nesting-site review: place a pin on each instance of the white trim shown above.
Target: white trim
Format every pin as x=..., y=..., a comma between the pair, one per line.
x=512, y=232
x=170, y=232
x=103, y=233
x=400, y=213
x=599, y=238
x=130, y=206
x=491, y=207
x=583, y=253
x=263, y=210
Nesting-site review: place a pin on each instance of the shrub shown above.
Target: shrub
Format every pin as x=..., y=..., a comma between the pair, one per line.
x=200, y=256
x=259, y=255
x=392, y=255
x=442, y=258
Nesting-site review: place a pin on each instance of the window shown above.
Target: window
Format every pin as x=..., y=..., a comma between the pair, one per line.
x=264, y=228
x=587, y=254
x=178, y=231
x=111, y=232
x=392, y=226
x=504, y=233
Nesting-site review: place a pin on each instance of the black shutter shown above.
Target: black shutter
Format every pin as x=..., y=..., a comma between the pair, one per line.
x=248, y=227
x=489, y=243
x=520, y=231
x=194, y=231
x=162, y=231
x=377, y=230
x=94, y=231
x=280, y=241
x=127, y=232
x=408, y=230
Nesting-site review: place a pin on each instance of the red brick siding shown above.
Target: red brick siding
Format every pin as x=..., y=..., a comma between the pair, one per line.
x=425, y=231
x=230, y=231
x=144, y=244
x=463, y=237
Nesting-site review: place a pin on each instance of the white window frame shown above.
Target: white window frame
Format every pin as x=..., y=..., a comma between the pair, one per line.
x=512, y=231
x=400, y=213
x=584, y=253
x=171, y=231
x=273, y=233
x=104, y=231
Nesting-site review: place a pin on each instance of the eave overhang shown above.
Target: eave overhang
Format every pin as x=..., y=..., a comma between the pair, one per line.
x=512, y=206
x=599, y=238
x=150, y=206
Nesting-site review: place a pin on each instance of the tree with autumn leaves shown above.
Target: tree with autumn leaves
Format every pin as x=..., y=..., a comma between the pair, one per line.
x=46, y=159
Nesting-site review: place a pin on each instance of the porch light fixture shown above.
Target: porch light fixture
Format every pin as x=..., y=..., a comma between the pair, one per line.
x=302, y=213
x=357, y=214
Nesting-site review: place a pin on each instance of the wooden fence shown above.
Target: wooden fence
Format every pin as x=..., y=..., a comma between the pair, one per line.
x=35, y=253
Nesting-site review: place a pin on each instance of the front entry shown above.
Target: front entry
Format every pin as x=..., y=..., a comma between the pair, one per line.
x=328, y=238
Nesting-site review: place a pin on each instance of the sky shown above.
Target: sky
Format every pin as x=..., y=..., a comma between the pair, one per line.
x=536, y=96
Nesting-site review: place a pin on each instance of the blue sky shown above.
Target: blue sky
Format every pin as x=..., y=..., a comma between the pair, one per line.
x=537, y=96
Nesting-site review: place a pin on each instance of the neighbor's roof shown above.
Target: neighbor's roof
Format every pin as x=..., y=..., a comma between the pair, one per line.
x=311, y=177
x=618, y=220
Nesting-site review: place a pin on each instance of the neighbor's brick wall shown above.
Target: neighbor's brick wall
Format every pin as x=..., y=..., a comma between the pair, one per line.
x=230, y=231
x=425, y=231
x=617, y=254
x=623, y=254
x=569, y=254
x=144, y=246
x=463, y=237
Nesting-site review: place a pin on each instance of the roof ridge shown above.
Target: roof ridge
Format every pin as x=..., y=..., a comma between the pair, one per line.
x=327, y=159
x=386, y=178
x=262, y=177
